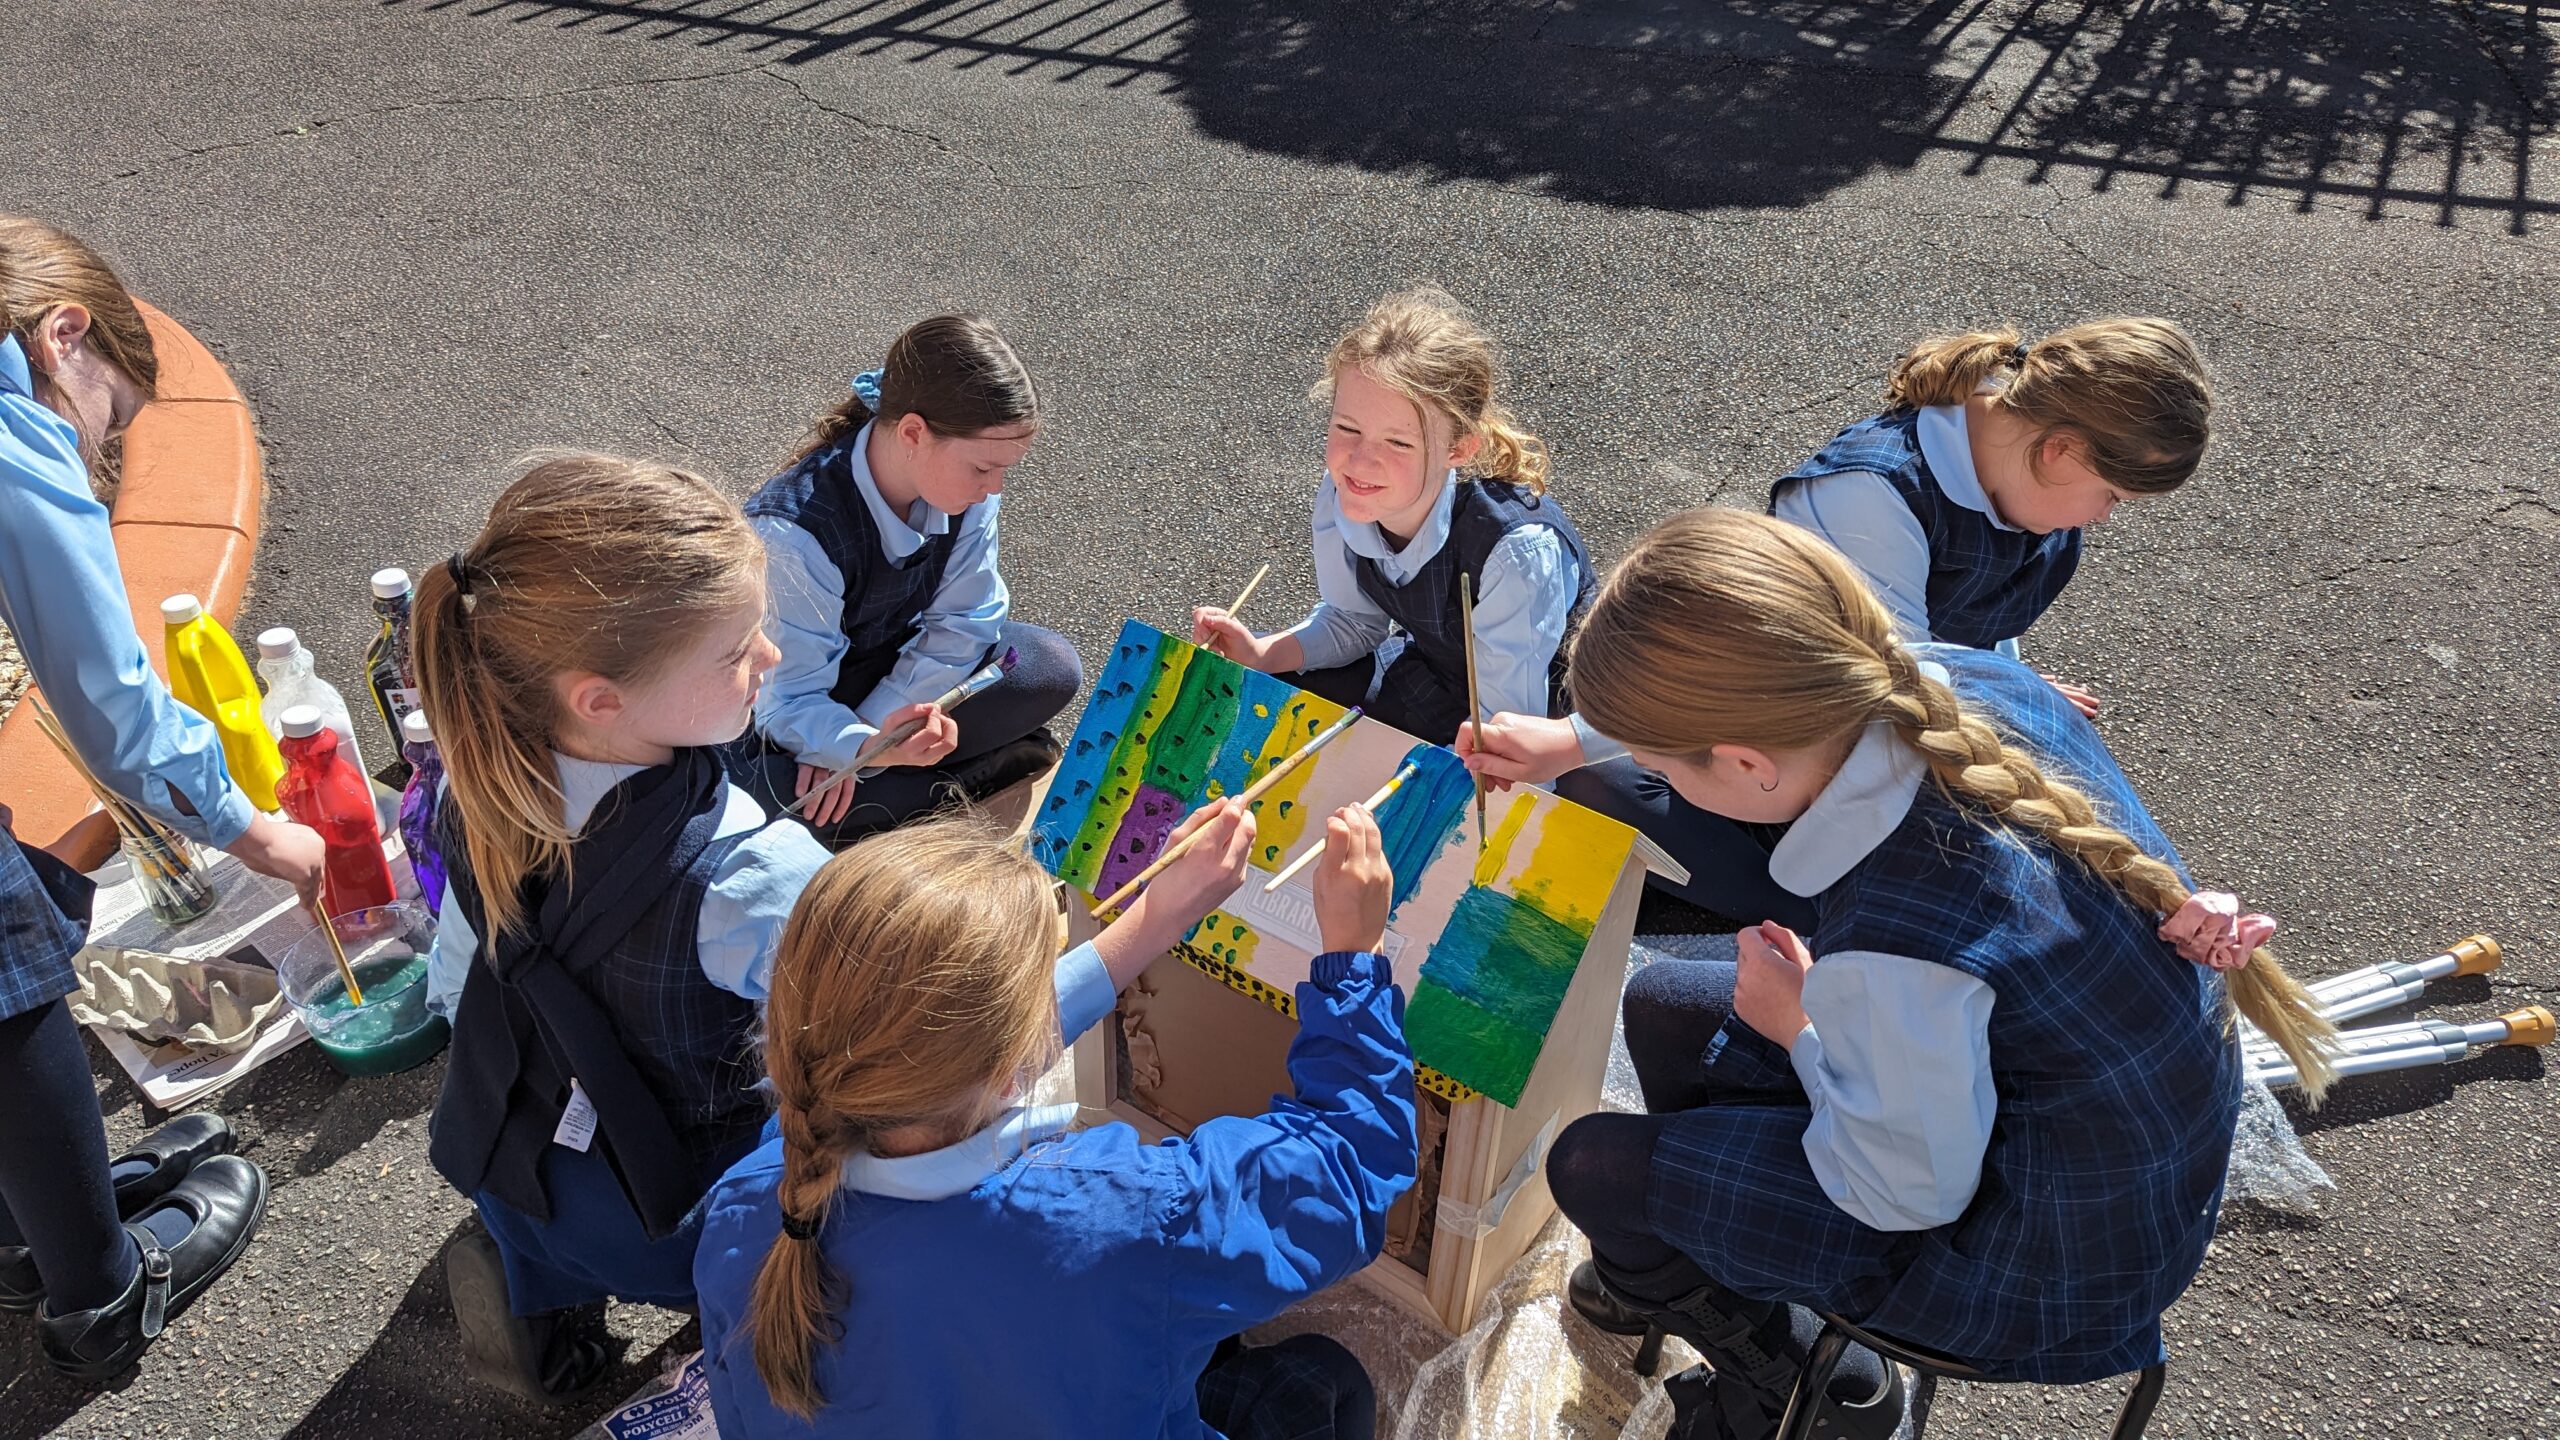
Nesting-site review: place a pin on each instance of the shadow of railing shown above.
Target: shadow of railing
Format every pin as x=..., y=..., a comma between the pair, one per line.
x=2388, y=106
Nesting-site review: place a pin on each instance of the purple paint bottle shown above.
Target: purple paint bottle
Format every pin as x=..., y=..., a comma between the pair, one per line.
x=418, y=805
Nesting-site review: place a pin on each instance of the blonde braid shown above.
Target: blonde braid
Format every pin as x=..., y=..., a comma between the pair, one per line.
x=1977, y=771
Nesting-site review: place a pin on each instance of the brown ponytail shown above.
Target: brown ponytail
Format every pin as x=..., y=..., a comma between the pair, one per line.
x=956, y=371
x=588, y=563
x=2132, y=389
x=1422, y=344
x=911, y=987
x=1723, y=627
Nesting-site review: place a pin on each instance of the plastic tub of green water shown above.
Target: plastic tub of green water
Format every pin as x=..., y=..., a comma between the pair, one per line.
x=387, y=948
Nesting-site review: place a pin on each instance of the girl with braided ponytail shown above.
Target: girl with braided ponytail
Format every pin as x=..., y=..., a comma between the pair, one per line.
x=1984, y=1107
x=908, y=1217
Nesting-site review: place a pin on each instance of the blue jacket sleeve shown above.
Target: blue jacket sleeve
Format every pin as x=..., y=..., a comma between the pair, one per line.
x=1271, y=1209
x=62, y=594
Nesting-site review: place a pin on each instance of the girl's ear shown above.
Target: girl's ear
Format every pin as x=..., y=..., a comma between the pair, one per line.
x=912, y=431
x=58, y=334
x=1463, y=453
x=2060, y=448
x=588, y=697
x=1754, y=766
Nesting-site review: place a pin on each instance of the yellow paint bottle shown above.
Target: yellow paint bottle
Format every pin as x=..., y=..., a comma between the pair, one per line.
x=210, y=676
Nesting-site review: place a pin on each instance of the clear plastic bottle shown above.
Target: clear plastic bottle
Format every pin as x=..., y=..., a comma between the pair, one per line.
x=293, y=678
x=210, y=676
x=386, y=661
x=418, y=806
x=322, y=790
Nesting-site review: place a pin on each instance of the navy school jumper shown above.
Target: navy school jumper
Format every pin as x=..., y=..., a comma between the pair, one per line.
x=1986, y=584
x=2118, y=1089
x=605, y=985
x=1426, y=607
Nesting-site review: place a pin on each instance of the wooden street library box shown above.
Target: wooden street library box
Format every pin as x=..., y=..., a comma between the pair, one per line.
x=1512, y=952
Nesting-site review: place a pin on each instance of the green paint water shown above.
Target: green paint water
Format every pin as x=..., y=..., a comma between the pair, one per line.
x=391, y=1031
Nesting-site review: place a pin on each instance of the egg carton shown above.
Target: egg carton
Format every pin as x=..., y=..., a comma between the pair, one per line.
x=212, y=1005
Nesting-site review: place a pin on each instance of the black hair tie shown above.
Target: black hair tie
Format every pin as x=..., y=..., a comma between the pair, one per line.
x=2018, y=356
x=798, y=1228
x=461, y=573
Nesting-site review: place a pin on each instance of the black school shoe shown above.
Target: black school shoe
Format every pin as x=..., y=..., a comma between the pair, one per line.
x=225, y=1197
x=547, y=1359
x=983, y=776
x=171, y=1152
x=1699, y=1409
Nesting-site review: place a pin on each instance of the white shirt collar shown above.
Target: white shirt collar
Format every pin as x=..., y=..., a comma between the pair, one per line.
x=1862, y=805
x=900, y=535
x=958, y=1168
x=1365, y=539
x=1948, y=447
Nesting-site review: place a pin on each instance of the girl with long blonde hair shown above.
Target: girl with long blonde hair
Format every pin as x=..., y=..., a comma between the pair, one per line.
x=914, y=1251
x=1429, y=481
x=1985, y=1104
x=613, y=905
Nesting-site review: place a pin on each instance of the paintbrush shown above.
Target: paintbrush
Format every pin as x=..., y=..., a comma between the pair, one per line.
x=1236, y=611
x=346, y=972
x=1252, y=793
x=1307, y=856
x=1475, y=711
x=154, y=848
x=888, y=740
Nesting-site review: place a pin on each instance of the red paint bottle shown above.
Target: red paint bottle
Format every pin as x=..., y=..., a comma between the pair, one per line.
x=323, y=790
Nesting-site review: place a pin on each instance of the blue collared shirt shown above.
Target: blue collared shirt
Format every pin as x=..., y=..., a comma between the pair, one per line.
x=743, y=912
x=62, y=594
x=1862, y=517
x=1530, y=580
x=1896, y=1051
x=805, y=601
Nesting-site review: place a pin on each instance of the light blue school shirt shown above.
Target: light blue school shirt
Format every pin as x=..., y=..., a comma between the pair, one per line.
x=1098, y=1272
x=751, y=893
x=1530, y=580
x=1864, y=519
x=805, y=604
x=1896, y=1051
x=62, y=594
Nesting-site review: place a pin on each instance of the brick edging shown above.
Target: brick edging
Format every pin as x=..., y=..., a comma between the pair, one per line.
x=185, y=519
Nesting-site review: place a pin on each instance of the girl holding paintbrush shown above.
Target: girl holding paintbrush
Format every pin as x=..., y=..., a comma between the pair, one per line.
x=1985, y=1105
x=881, y=544
x=613, y=900
x=103, y=1253
x=908, y=1216
x=1433, y=520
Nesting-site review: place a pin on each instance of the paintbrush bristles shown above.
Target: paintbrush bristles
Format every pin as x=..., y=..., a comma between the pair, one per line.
x=1307, y=856
x=1252, y=793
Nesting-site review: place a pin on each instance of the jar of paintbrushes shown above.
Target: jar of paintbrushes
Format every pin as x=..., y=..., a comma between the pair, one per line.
x=173, y=885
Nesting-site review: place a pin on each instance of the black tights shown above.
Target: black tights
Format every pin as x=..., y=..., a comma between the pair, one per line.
x=56, y=1196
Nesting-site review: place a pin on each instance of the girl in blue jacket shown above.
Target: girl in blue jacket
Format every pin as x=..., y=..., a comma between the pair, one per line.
x=915, y=1252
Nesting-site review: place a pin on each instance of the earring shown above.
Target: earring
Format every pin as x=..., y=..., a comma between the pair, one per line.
x=1772, y=785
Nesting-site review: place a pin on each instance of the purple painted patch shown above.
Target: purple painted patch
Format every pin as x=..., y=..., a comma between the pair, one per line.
x=1151, y=816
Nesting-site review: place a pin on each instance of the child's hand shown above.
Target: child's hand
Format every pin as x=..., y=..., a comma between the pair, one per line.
x=928, y=746
x=1527, y=748
x=1768, y=990
x=1208, y=872
x=1212, y=628
x=2084, y=701
x=1354, y=888
x=830, y=807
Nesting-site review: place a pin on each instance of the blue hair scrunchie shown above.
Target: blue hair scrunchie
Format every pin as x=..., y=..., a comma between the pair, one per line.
x=866, y=387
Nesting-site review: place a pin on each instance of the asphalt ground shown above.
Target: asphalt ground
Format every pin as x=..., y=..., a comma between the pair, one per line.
x=428, y=237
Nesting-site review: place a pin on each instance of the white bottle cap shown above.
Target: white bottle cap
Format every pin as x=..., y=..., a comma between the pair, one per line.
x=279, y=643
x=415, y=730
x=302, y=721
x=391, y=584
x=179, y=609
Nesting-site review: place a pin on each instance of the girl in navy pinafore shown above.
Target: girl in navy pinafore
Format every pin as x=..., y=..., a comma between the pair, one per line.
x=1962, y=505
x=1428, y=484
x=1982, y=1106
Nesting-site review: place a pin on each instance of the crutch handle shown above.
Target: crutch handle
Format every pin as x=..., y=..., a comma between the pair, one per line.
x=2531, y=1025
x=2475, y=955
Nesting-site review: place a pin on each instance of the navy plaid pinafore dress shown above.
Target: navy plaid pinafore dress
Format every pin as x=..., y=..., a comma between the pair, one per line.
x=2118, y=1089
x=43, y=918
x=1986, y=584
